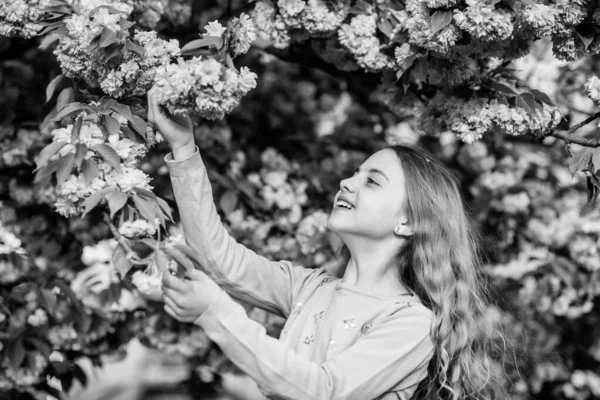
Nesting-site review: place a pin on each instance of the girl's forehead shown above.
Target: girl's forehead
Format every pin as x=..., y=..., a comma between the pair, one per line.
x=385, y=159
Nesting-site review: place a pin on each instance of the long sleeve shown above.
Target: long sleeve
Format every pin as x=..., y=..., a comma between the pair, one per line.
x=393, y=355
x=248, y=277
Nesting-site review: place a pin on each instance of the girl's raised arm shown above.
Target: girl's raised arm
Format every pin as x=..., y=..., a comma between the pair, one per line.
x=242, y=273
x=246, y=276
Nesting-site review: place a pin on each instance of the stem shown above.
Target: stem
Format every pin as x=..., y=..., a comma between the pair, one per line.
x=577, y=140
x=131, y=255
x=584, y=122
x=566, y=135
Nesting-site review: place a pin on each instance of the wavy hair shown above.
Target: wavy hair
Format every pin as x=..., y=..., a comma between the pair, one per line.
x=441, y=262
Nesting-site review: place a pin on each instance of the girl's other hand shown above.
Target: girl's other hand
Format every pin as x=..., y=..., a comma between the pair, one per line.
x=186, y=299
x=177, y=130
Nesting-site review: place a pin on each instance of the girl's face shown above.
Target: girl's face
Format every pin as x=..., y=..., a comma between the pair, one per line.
x=376, y=194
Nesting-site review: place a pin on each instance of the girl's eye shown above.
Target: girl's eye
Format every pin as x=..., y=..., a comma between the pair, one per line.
x=370, y=181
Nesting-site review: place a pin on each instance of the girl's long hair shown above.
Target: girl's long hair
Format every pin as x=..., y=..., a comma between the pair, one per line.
x=441, y=262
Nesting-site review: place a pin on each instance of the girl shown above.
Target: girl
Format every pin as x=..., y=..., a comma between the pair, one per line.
x=404, y=319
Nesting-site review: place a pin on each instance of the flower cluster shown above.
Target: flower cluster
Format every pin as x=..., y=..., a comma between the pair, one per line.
x=310, y=18
x=359, y=36
x=243, y=33
x=421, y=34
x=583, y=384
x=21, y=17
x=138, y=229
x=203, y=86
x=72, y=193
x=592, y=87
x=483, y=21
x=129, y=74
x=471, y=119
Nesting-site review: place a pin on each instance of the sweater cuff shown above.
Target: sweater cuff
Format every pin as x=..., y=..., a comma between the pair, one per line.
x=218, y=311
x=185, y=167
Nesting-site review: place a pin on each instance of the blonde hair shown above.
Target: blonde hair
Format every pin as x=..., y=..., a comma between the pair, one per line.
x=441, y=263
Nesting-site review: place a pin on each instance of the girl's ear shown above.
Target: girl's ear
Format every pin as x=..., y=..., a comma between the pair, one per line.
x=403, y=229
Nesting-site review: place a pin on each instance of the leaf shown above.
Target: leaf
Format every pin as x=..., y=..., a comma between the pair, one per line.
x=191, y=254
x=107, y=37
x=92, y=201
x=65, y=166
x=42, y=177
x=165, y=208
x=420, y=69
x=138, y=124
x=499, y=87
x=532, y=103
x=66, y=96
x=109, y=155
x=180, y=258
x=580, y=160
x=194, y=45
x=145, y=193
x=120, y=261
x=145, y=208
x=120, y=109
x=593, y=187
x=48, y=300
x=228, y=201
x=48, y=152
x=42, y=346
x=386, y=27
x=124, y=24
x=134, y=47
x=16, y=353
x=112, y=125
x=54, y=83
x=541, y=96
x=586, y=39
x=48, y=40
x=162, y=261
x=76, y=129
x=70, y=109
x=90, y=170
x=595, y=160
x=440, y=20
x=116, y=201
x=80, y=152
x=520, y=102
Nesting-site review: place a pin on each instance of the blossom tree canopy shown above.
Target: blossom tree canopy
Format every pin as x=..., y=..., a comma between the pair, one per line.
x=287, y=97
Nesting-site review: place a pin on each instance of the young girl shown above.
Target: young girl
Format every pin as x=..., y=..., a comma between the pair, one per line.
x=404, y=319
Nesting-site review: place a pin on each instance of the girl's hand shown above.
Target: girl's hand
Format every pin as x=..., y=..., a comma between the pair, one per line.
x=177, y=129
x=186, y=299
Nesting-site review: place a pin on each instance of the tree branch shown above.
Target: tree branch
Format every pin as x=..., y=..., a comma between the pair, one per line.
x=567, y=138
x=131, y=255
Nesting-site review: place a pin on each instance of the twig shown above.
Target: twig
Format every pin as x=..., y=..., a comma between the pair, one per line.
x=131, y=255
x=563, y=135
x=584, y=122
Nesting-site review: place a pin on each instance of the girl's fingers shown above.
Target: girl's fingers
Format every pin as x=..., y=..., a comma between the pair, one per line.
x=171, y=312
x=171, y=295
x=172, y=282
x=173, y=306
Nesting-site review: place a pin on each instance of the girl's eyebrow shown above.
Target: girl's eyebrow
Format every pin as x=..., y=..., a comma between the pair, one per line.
x=375, y=170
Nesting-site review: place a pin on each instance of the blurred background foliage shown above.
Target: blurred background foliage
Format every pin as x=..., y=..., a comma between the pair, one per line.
x=275, y=164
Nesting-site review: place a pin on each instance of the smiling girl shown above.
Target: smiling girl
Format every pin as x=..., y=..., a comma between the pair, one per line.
x=405, y=318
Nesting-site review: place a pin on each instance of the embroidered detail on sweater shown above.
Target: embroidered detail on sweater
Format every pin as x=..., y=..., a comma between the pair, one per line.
x=348, y=323
x=297, y=308
x=309, y=339
x=365, y=328
x=318, y=316
x=324, y=281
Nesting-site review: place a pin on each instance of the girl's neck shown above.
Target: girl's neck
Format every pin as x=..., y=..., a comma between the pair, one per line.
x=373, y=269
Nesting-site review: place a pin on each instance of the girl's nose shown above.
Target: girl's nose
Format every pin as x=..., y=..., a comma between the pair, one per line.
x=347, y=185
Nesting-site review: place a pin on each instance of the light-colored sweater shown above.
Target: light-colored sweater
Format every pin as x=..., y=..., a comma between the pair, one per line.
x=337, y=343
